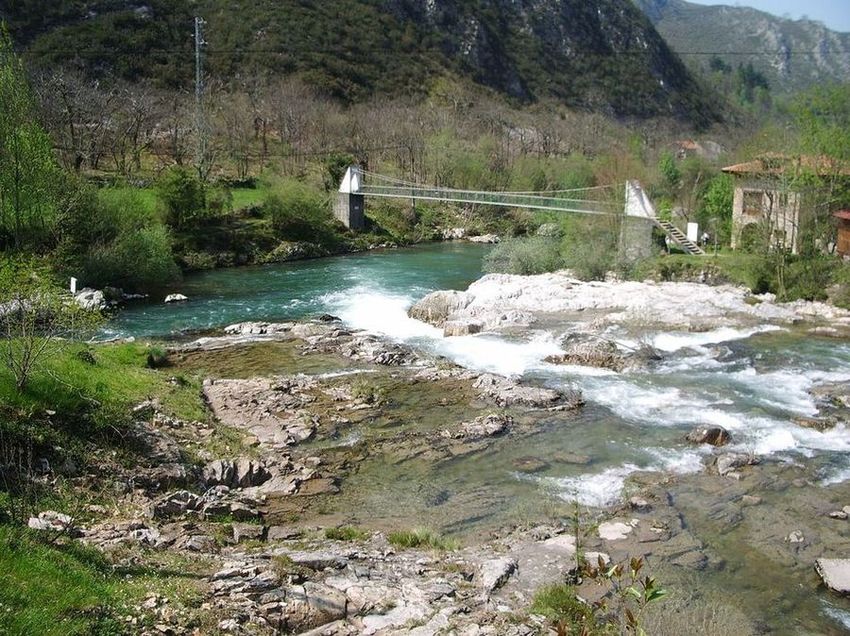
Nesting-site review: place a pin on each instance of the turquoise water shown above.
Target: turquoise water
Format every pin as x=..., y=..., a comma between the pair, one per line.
x=752, y=381
x=294, y=290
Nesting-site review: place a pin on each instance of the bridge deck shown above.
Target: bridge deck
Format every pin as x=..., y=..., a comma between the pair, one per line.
x=504, y=199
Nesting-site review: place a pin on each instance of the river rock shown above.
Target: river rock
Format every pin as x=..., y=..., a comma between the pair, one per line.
x=713, y=435
x=509, y=392
x=247, y=532
x=835, y=574
x=91, y=299
x=258, y=328
x=529, y=464
x=495, y=572
x=589, y=351
x=730, y=461
x=175, y=298
x=436, y=307
x=483, y=426
x=484, y=238
x=238, y=473
x=461, y=328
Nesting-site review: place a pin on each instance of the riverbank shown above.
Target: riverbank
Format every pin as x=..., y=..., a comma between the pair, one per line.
x=289, y=462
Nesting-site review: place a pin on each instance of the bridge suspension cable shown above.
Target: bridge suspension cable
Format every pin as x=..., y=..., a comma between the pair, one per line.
x=578, y=200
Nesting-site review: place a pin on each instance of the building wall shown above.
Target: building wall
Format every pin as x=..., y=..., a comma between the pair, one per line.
x=842, y=246
x=756, y=201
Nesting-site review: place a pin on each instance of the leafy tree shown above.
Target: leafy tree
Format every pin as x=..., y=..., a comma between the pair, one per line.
x=29, y=174
x=36, y=318
x=670, y=174
x=184, y=197
x=715, y=211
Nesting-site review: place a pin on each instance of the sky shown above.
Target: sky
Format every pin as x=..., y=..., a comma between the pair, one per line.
x=833, y=13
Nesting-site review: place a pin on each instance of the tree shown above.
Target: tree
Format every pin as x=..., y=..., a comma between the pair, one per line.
x=184, y=196
x=29, y=174
x=36, y=318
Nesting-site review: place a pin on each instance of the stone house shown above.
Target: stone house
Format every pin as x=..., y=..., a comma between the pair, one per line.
x=768, y=190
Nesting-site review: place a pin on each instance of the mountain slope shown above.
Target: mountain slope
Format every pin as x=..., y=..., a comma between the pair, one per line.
x=791, y=54
x=603, y=56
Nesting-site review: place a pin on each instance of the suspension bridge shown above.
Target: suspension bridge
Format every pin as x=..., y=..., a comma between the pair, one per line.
x=626, y=200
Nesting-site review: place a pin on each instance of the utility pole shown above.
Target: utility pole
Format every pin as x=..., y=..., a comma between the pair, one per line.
x=200, y=123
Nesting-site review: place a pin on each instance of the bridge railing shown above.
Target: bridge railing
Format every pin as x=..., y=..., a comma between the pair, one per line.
x=504, y=199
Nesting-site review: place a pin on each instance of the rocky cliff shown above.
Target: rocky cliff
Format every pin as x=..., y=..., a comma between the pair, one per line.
x=792, y=54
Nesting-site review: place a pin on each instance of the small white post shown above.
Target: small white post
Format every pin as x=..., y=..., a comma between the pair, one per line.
x=693, y=232
x=73, y=285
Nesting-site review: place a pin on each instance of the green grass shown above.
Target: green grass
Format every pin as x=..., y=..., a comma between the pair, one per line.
x=346, y=533
x=72, y=589
x=559, y=604
x=49, y=590
x=249, y=197
x=119, y=377
x=421, y=538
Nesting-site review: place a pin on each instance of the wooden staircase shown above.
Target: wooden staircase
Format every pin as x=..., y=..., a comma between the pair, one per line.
x=679, y=238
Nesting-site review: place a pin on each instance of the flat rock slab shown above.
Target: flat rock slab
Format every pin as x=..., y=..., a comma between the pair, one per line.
x=835, y=574
x=615, y=530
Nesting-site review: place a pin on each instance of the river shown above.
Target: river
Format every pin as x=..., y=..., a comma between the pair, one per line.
x=752, y=382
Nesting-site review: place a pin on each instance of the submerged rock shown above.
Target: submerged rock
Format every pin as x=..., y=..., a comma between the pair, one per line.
x=713, y=435
x=175, y=298
x=481, y=427
x=835, y=574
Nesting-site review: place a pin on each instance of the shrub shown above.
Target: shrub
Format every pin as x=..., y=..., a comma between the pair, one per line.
x=590, y=246
x=298, y=213
x=527, y=255
x=134, y=261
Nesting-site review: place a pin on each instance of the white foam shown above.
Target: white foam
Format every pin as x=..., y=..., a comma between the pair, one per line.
x=836, y=476
x=606, y=488
x=842, y=617
x=386, y=314
x=595, y=490
x=670, y=342
x=379, y=313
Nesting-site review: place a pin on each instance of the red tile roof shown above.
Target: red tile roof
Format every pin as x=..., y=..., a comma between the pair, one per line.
x=777, y=164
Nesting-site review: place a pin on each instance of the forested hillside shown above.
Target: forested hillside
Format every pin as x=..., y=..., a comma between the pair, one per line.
x=603, y=56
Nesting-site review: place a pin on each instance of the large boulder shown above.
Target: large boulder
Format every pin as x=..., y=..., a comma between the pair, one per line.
x=436, y=307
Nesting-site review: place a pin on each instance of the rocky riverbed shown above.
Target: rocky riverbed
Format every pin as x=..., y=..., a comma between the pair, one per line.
x=346, y=435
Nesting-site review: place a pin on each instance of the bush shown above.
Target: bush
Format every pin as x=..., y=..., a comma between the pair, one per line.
x=134, y=261
x=299, y=213
x=527, y=255
x=590, y=246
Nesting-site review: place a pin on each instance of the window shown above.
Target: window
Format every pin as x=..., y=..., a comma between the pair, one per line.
x=753, y=203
